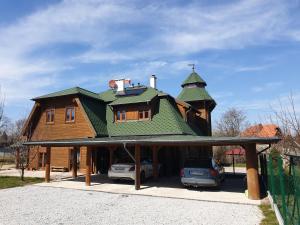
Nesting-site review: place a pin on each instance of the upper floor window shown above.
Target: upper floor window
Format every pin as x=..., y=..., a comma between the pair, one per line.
x=121, y=115
x=144, y=114
x=70, y=114
x=50, y=116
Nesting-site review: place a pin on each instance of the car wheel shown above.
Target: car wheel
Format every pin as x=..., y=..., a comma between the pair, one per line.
x=143, y=177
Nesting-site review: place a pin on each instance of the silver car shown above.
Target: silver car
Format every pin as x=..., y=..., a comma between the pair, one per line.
x=202, y=173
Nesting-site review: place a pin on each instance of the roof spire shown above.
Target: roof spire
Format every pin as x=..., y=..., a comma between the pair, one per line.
x=193, y=66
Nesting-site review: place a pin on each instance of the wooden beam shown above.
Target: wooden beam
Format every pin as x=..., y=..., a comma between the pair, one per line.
x=252, y=172
x=155, y=161
x=47, y=167
x=88, y=167
x=111, y=155
x=74, y=162
x=137, y=167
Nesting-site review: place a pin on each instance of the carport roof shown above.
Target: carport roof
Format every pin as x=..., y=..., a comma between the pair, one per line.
x=157, y=140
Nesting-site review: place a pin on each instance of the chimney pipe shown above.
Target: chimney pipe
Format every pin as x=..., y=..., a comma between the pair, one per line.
x=153, y=81
x=120, y=85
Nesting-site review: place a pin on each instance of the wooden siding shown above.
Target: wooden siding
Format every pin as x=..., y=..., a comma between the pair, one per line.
x=60, y=157
x=61, y=129
x=132, y=112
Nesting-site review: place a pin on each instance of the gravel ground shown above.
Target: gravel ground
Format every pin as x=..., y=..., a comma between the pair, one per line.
x=46, y=205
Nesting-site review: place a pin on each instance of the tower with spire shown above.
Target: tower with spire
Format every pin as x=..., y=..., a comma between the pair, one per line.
x=194, y=92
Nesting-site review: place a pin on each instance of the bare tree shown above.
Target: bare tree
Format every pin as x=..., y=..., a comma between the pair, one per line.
x=231, y=123
x=287, y=117
x=20, y=152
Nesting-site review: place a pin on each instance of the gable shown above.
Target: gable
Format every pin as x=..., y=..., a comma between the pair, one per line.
x=60, y=129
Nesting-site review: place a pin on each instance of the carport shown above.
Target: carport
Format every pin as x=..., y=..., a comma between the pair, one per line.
x=155, y=143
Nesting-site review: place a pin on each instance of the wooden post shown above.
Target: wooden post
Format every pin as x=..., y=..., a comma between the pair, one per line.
x=74, y=162
x=88, y=167
x=155, y=161
x=47, y=167
x=137, y=167
x=252, y=172
x=17, y=158
x=111, y=156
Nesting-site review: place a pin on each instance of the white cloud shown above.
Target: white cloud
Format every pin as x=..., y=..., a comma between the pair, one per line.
x=271, y=86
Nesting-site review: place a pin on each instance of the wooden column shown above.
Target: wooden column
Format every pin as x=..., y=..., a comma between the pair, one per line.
x=47, y=167
x=155, y=161
x=88, y=167
x=252, y=172
x=137, y=167
x=74, y=162
x=111, y=156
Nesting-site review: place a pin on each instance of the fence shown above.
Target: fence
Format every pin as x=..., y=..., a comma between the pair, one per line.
x=284, y=186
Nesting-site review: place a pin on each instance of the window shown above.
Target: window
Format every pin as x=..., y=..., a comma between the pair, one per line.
x=70, y=114
x=144, y=114
x=121, y=115
x=50, y=116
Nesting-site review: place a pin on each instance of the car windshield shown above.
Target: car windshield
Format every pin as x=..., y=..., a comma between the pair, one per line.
x=201, y=163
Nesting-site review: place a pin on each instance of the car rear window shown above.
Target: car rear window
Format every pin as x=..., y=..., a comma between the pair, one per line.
x=202, y=163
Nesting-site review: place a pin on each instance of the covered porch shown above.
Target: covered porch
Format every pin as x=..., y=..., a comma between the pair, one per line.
x=155, y=144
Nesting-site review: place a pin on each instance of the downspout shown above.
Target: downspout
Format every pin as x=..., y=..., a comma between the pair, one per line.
x=128, y=152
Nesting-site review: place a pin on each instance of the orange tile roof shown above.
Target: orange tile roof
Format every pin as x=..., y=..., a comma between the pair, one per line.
x=262, y=130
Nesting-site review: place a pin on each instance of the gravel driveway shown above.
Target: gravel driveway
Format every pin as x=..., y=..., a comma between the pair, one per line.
x=46, y=205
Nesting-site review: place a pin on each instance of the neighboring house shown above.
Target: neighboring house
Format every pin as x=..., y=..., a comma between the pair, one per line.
x=122, y=111
x=237, y=154
x=262, y=130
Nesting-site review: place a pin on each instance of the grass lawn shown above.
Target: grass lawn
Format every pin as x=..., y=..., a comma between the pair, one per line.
x=240, y=164
x=269, y=215
x=9, y=182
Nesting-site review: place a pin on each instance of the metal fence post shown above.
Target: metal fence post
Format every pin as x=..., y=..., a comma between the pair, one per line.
x=282, y=189
x=271, y=172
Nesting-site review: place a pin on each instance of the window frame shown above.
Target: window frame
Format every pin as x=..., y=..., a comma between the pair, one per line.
x=53, y=115
x=122, y=114
x=72, y=110
x=143, y=112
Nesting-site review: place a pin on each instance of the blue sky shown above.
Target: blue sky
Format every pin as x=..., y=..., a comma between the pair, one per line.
x=247, y=51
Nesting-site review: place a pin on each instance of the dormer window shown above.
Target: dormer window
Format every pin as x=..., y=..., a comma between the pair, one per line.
x=70, y=114
x=50, y=116
x=121, y=115
x=144, y=114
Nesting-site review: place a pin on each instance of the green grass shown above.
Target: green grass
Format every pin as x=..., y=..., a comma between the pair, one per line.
x=269, y=215
x=240, y=164
x=9, y=182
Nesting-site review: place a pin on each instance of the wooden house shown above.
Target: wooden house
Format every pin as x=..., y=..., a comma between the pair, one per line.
x=121, y=111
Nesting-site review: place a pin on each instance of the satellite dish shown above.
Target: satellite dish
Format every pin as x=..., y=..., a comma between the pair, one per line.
x=112, y=84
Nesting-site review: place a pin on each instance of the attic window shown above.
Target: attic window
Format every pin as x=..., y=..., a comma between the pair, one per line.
x=121, y=115
x=50, y=116
x=144, y=114
x=70, y=114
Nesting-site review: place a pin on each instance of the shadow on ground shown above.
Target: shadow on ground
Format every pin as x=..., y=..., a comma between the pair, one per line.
x=232, y=183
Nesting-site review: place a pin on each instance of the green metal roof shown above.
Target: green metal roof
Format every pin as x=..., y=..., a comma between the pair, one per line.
x=193, y=78
x=167, y=120
x=108, y=96
x=145, y=96
x=194, y=94
x=115, y=99
x=70, y=91
x=95, y=111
